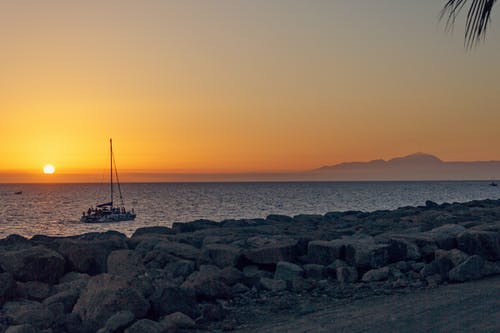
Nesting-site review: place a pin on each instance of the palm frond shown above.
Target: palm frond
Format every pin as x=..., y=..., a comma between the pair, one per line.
x=478, y=17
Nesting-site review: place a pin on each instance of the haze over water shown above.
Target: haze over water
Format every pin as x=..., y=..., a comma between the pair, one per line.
x=55, y=209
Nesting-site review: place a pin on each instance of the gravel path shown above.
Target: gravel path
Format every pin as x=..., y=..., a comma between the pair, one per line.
x=466, y=307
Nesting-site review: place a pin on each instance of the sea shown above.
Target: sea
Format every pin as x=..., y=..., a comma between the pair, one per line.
x=55, y=209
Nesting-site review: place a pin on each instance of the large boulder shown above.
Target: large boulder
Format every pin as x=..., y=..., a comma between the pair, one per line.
x=67, y=298
x=33, y=264
x=483, y=243
x=106, y=295
x=176, y=249
x=221, y=255
x=89, y=256
x=29, y=312
x=34, y=290
x=7, y=287
x=445, y=235
x=446, y=260
x=206, y=284
x=288, y=271
x=270, y=250
x=378, y=274
x=401, y=249
x=366, y=254
x=126, y=263
x=470, y=269
x=325, y=252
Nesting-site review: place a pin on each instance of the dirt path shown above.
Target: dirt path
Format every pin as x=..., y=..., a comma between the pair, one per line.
x=467, y=307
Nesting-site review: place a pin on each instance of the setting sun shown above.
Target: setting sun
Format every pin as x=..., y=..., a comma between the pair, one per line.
x=49, y=169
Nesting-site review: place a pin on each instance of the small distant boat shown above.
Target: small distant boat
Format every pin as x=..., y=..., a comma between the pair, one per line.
x=107, y=212
x=493, y=184
x=18, y=192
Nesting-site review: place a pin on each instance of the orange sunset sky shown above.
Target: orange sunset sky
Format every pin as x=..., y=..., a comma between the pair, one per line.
x=238, y=86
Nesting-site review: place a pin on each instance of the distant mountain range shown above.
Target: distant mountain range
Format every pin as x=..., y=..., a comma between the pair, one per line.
x=417, y=166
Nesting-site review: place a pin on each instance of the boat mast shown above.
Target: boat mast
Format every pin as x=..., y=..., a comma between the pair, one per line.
x=111, y=169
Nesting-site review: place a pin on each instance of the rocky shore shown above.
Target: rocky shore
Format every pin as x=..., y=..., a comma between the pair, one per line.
x=218, y=276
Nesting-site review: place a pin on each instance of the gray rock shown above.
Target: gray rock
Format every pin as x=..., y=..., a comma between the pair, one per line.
x=126, y=263
x=483, y=243
x=145, y=325
x=34, y=290
x=367, y=255
x=230, y=276
x=25, y=328
x=402, y=249
x=29, y=312
x=468, y=270
x=325, y=252
x=33, y=264
x=180, y=269
x=288, y=271
x=455, y=256
x=68, y=298
x=89, y=256
x=180, y=227
x=106, y=295
x=445, y=235
x=207, y=285
x=179, y=250
x=156, y=230
x=74, y=276
x=179, y=320
x=118, y=322
x=272, y=284
x=347, y=274
x=7, y=287
x=221, y=255
x=173, y=299
x=252, y=275
x=313, y=271
x=490, y=268
x=270, y=250
x=446, y=260
x=239, y=288
x=379, y=274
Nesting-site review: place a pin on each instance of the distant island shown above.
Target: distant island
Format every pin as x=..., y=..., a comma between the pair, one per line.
x=418, y=166
x=414, y=167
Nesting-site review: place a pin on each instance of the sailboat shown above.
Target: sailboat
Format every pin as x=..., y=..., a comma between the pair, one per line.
x=108, y=212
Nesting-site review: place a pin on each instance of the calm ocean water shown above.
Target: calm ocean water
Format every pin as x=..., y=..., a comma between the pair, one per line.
x=55, y=209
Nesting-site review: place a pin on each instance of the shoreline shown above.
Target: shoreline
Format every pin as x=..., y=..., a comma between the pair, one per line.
x=205, y=275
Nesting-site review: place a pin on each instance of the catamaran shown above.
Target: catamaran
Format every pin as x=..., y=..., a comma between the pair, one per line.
x=107, y=212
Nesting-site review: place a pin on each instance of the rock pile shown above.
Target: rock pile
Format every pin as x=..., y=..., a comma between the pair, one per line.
x=169, y=279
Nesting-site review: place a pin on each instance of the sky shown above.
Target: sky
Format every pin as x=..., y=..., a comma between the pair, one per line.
x=266, y=86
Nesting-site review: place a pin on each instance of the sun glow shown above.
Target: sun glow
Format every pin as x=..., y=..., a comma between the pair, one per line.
x=49, y=169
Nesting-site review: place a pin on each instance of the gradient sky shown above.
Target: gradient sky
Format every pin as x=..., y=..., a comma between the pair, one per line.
x=240, y=86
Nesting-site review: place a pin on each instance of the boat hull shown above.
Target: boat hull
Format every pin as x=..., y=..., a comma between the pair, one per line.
x=108, y=218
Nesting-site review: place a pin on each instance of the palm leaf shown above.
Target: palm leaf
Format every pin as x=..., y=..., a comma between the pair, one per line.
x=478, y=17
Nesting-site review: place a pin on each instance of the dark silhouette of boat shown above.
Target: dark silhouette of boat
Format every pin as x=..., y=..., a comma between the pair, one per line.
x=18, y=192
x=107, y=212
x=493, y=184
